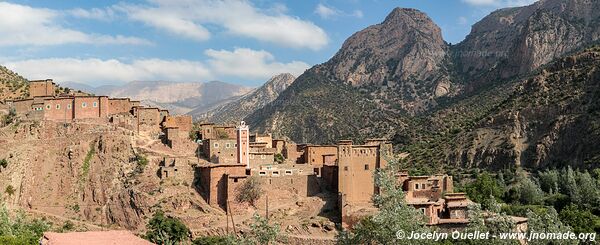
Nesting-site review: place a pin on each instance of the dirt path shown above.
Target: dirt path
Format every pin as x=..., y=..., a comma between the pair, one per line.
x=64, y=218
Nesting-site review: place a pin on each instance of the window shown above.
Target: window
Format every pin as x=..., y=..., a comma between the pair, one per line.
x=262, y=173
x=227, y=145
x=83, y=105
x=275, y=173
x=345, y=168
x=58, y=106
x=95, y=104
x=416, y=186
x=366, y=166
x=422, y=210
x=268, y=167
x=69, y=106
x=216, y=145
x=288, y=172
x=47, y=107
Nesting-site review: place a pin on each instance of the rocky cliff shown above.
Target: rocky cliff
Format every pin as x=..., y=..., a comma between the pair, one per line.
x=240, y=107
x=515, y=41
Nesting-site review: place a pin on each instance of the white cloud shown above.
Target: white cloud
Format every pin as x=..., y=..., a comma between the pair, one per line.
x=22, y=25
x=111, y=71
x=189, y=17
x=248, y=63
x=326, y=12
x=499, y=3
x=241, y=63
x=95, y=13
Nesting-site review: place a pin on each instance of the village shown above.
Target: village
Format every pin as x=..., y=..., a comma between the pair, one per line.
x=225, y=156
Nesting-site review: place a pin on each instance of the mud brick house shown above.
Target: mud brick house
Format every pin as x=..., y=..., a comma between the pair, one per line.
x=147, y=115
x=356, y=167
x=261, y=156
x=267, y=139
x=42, y=88
x=221, y=150
x=119, y=105
x=214, y=179
x=212, y=131
x=183, y=122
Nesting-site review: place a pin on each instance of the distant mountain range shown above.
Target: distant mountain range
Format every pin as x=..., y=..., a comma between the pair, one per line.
x=178, y=97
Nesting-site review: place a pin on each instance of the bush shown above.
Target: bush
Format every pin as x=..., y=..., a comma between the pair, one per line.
x=484, y=187
x=279, y=158
x=582, y=221
x=211, y=240
x=4, y=163
x=142, y=162
x=10, y=190
x=166, y=230
x=250, y=190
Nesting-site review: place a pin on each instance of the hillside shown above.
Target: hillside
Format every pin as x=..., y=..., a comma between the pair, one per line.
x=384, y=82
x=238, y=108
x=12, y=86
x=547, y=119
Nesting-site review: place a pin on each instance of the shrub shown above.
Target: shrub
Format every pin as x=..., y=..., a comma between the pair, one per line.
x=142, y=162
x=4, y=163
x=10, y=190
x=166, y=230
x=250, y=190
x=279, y=158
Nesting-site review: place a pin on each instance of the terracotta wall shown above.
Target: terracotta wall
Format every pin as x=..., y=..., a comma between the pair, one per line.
x=119, y=105
x=59, y=109
x=41, y=88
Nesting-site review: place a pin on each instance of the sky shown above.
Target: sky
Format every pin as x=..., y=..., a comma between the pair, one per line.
x=238, y=41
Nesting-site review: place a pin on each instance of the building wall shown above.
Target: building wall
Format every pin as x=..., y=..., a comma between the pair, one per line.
x=119, y=105
x=261, y=158
x=41, y=88
x=356, y=183
x=22, y=107
x=58, y=109
x=90, y=107
x=148, y=116
x=321, y=155
x=183, y=122
x=213, y=182
x=220, y=150
x=267, y=138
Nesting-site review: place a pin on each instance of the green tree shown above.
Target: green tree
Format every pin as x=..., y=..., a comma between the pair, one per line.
x=549, y=180
x=588, y=191
x=18, y=229
x=279, y=158
x=166, y=230
x=214, y=240
x=394, y=214
x=484, y=187
x=3, y=163
x=580, y=220
x=261, y=232
x=250, y=190
x=530, y=192
x=496, y=224
x=547, y=222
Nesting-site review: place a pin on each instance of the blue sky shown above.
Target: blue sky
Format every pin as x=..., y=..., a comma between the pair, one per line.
x=237, y=41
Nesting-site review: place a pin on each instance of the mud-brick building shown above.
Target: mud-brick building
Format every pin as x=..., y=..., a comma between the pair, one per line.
x=183, y=122
x=42, y=88
x=266, y=139
x=212, y=131
x=214, y=179
x=220, y=150
x=119, y=105
x=147, y=115
x=356, y=167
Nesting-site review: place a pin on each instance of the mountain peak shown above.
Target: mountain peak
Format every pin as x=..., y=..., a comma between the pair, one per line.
x=402, y=14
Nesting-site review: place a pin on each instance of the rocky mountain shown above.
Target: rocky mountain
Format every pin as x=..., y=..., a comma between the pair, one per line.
x=400, y=80
x=240, y=107
x=177, y=97
x=515, y=41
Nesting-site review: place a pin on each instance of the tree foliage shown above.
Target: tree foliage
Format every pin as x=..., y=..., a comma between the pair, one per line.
x=250, y=190
x=166, y=230
x=17, y=229
x=547, y=222
x=484, y=188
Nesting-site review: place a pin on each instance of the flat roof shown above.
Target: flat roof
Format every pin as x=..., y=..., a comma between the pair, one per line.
x=94, y=238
